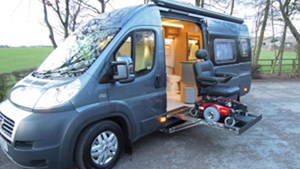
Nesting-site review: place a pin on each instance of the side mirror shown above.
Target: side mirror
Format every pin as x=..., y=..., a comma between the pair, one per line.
x=123, y=69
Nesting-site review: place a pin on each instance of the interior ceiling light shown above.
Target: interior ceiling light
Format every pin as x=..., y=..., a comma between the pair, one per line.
x=175, y=25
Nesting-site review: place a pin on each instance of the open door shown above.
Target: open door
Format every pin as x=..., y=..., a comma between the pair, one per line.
x=182, y=40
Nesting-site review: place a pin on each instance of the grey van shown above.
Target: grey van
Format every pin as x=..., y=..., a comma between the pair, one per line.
x=115, y=80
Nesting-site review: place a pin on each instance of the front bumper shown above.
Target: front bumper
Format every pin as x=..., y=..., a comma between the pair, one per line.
x=32, y=158
x=35, y=139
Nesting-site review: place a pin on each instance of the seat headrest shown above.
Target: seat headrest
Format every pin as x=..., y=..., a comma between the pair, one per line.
x=201, y=54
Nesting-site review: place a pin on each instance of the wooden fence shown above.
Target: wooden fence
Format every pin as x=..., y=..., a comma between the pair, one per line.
x=288, y=65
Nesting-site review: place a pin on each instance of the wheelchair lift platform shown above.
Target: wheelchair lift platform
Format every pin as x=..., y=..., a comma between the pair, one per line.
x=179, y=119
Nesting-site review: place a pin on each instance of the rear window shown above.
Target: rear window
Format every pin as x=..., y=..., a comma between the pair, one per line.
x=225, y=50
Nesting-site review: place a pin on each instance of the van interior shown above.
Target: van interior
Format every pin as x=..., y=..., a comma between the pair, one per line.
x=182, y=40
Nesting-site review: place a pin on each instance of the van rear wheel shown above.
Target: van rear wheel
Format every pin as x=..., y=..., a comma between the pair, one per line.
x=99, y=146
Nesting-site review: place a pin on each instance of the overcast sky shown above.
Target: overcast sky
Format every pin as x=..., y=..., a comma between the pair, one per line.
x=22, y=21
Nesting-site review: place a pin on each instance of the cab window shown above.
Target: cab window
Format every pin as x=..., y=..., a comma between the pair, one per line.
x=140, y=46
x=144, y=51
x=125, y=48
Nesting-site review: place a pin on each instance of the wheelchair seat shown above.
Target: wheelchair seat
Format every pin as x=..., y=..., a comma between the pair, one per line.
x=208, y=81
x=224, y=91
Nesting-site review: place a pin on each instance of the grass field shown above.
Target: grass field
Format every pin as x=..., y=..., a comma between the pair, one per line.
x=289, y=57
x=266, y=54
x=12, y=59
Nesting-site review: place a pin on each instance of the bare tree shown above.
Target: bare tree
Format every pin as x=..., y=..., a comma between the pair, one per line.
x=273, y=38
x=232, y=7
x=289, y=8
x=226, y=6
x=46, y=19
x=279, y=55
x=292, y=8
x=103, y=5
x=276, y=17
x=281, y=49
x=68, y=14
x=62, y=14
x=262, y=32
x=257, y=17
x=146, y=1
x=199, y=3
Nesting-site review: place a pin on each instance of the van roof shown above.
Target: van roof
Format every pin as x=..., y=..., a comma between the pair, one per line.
x=189, y=8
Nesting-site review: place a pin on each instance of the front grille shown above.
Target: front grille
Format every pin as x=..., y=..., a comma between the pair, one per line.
x=7, y=126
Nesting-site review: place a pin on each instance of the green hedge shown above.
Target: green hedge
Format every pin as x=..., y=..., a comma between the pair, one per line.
x=3, y=86
x=7, y=80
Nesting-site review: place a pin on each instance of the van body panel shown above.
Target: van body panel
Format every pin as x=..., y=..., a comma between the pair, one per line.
x=91, y=89
x=145, y=100
x=215, y=26
x=88, y=117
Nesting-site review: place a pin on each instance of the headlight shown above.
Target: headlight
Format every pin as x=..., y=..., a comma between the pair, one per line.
x=58, y=95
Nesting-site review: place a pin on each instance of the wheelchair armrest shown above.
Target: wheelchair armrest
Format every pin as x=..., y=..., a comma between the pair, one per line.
x=225, y=74
x=210, y=80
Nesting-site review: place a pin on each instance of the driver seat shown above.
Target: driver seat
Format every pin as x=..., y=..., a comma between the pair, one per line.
x=208, y=80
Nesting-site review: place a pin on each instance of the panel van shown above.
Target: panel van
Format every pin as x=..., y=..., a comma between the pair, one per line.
x=115, y=80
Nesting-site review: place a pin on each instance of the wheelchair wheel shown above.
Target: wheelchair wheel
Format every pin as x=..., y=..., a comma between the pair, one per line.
x=194, y=112
x=211, y=114
x=229, y=121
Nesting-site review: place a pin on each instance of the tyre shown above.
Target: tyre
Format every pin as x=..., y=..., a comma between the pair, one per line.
x=99, y=146
x=211, y=114
x=194, y=112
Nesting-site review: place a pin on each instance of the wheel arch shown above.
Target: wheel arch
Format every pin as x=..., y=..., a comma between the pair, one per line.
x=83, y=123
x=120, y=120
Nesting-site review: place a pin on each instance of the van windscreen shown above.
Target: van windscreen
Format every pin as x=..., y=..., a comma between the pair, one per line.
x=77, y=53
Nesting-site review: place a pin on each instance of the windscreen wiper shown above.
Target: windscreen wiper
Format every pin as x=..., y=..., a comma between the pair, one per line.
x=47, y=74
x=65, y=72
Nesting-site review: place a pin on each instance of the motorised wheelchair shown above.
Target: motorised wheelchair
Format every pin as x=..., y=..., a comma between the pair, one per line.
x=216, y=103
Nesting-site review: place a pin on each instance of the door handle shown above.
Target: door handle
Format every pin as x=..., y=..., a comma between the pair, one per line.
x=157, y=81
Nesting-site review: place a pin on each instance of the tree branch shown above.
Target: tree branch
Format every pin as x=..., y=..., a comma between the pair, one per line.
x=232, y=7
x=66, y=23
x=51, y=35
x=289, y=23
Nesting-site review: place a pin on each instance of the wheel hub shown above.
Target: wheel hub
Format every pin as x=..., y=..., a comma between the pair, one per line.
x=211, y=115
x=104, y=148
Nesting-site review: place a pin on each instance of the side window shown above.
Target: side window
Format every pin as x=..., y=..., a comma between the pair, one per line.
x=225, y=50
x=144, y=51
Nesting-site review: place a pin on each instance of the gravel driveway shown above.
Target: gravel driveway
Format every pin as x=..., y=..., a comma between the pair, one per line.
x=273, y=143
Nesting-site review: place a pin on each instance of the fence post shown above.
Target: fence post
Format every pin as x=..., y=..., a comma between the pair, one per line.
x=272, y=66
x=298, y=56
x=294, y=66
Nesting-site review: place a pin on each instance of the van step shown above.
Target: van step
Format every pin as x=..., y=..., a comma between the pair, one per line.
x=179, y=119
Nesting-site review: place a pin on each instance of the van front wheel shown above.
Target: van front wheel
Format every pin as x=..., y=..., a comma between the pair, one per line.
x=99, y=146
